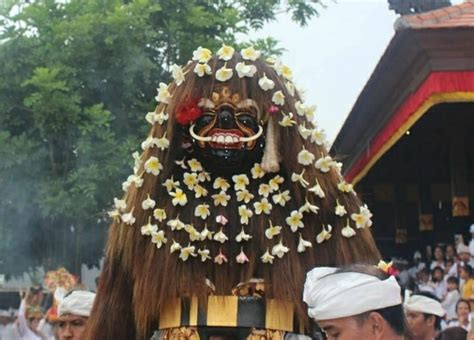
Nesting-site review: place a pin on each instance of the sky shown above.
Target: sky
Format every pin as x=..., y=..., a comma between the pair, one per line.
x=334, y=55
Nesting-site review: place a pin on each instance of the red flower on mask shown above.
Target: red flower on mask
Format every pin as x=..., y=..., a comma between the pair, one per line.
x=188, y=113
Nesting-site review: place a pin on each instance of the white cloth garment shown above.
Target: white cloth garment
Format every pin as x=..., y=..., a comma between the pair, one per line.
x=424, y=304
x=79, y=302
x=449, y=304
x=332, y=295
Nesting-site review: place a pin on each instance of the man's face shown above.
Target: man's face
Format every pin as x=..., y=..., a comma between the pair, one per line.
x=71, y=327
x=348, y=328
x=419, y=325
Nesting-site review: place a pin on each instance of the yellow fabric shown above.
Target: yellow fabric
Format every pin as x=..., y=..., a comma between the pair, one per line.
x=170, y=317
x=468, y=292
x=222, y=311
x=193, y=312
x=279, y=315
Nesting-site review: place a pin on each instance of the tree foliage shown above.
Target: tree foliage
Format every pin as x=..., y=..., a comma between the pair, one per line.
x=76, y=78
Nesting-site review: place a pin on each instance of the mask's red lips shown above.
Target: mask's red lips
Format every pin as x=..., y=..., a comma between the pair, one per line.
x=225, y=138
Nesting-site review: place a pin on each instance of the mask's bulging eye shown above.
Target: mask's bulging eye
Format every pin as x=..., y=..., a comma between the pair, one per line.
x=246, y=118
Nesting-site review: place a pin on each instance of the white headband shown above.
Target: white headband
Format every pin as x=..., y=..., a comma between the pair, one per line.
x=79, y=302
x=423, y=304
x=332, y=295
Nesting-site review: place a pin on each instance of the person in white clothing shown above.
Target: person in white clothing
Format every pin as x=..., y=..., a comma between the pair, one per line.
x=73, y=312
x=463, y=312
x=424, y=312
x=451, y=299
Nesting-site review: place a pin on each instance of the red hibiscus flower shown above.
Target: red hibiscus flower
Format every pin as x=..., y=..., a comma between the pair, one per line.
x=188, y=113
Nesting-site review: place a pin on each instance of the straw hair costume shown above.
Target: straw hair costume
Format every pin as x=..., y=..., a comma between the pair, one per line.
x=232, y=200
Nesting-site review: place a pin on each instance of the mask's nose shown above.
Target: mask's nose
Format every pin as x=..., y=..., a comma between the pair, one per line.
x=225, y=119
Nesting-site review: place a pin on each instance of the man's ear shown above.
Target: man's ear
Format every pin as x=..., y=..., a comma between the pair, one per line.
x=377, y=325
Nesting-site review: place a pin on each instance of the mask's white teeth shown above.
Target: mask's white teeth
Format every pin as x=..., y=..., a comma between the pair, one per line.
x=214, y=138
x=254, y=137
x=196, y=137
x=220, y=139
x=235, y=139
x=228, y=140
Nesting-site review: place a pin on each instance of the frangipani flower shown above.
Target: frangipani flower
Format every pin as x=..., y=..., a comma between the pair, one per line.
x=272, y=231
x=120, y=205
x=159, y=214
x=262, y=206
x=244, y=70
x=148, y=203
x=264, y=190
x=266, y=257
x=221, y=219
x=202, y=55
x=181, y=164
x=300, y=108
x=137, y=180
x=149, y=228
x=317, y=190
x=257, y=171
x=187, y=251
x=128, y=218
x=204, y=253
x=242, y=236
x=324, y=164
x=325, y=234
x=179, y=198
x=280, y=250
x=177, y=74
x=287, y=120
x=345, y=187
x=241, y=258
x=158, y=238
x=164, y=95
x=299, y=178
x=195, y=165
x=290, y=87
x=153, y=117
x=318, y=136
x=278, y=98
x=244, y=214
x=310, y=111
x=303, y=244
x=295, y=220
x=220, y=258
x=153, y=166
x=347, y=231
x=305, y=157
x=221, y=183
x=362, y=219
x=304, y=132
x=240, y=182
x=200, y=191
x=114, y=215
x=175, y=224
x=162, y=143
x=175, y=247
x=244, y=196
x=202, y=211
x=220, y=236
x=308, y=207
x=286, y=72
x=250, y=53
x=266, y=83
x=206, y=234
x=136, y=161
x=225, y=52
x=194, y=235
x=224, y=73
x=170, y=184
x=202, y=69
x=281, y=198
x=221, y=199
x=275, y=182
x=190, y=179
x=148, y=143
x=340, y=209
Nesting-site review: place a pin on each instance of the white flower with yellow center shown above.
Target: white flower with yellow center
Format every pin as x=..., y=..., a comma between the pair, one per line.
x=225, y=52
x=162, y=143
x=221, y=199
x=250, y=53
x=159, y=214
x=202, y=211
x=149, y=228
x=257, y=171
x=195, y=165
x=287, y=120
x=345, y=187
x=153, y=117
x=266, y=257
x=240, y=182
x=347, y=231
x=300, y=108
x=175, y=224
x=190, y=180
x=164, y=95
x=340, y=209
x=286, y=72
x=120, y=205
x=132, y=179
x=244, y=214
x=194, y=235
x=275, y=182
x=290, y=87
x=170, y=184
x=310, y=111
x=159, y=238
x=204, y=253
x=278, y=98
x=299, y=178
x=177, y=74
x=308, y=207
x=200, y=191
x=148, y=143
x=114, y=215
x=179, y=198
x=128, y=218
x=281, y=198
x=262, y=207
x=317, y=190
x=318, y=136
x=220, y=236
x=272, y=231
x=187, y=251
x=153, y=166
x=148, y=203
x=175, y=247
x=303, y=244
x=224, y=73
x=202, y=69
x=264, y=190
x=361, y=220
x=204, y=176
x=206, y=234
x=221, y=184
x=324, y=235
x=244, y=196
x=243, y=236
x=305, y=157
x=244, y=70
x=295, y=220
x=279, y=250
x=324, y=164
x=266, y=83
x=304, y=132
x=202, y=55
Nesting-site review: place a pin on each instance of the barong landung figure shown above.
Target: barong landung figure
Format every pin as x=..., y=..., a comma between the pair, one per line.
x=232, y=201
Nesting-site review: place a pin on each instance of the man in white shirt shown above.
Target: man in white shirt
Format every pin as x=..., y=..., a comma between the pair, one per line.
x=424, y=312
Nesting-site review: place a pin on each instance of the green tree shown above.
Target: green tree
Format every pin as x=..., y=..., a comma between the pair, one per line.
x=76, y=78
